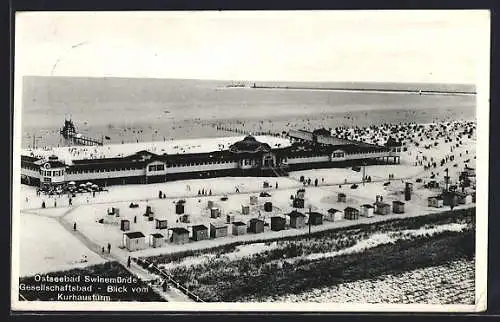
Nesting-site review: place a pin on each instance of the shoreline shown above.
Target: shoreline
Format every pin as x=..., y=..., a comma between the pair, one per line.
x=358, y=90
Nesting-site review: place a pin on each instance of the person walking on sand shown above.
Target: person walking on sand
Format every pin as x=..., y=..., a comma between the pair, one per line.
x=74, y=226
x=70, y=201
x=103, y=249
x=109, y=248
x=55, y=203
x=128, y=262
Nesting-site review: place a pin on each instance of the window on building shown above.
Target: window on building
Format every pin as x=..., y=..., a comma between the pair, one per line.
x=46, y=179
x=157, y=167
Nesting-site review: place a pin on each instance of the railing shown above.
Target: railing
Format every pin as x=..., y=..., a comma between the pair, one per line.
x=170, y=279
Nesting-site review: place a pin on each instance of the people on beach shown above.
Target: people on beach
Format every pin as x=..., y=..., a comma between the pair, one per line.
x=74, y=226
x=109, y=248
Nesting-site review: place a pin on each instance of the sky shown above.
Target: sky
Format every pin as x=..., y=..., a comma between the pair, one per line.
x=386, y=46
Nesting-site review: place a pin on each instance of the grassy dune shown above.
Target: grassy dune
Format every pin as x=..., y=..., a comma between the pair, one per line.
x=336, y=238
x=268, y=274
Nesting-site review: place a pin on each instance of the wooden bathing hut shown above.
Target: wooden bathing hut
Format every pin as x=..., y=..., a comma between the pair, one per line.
x=179, y=208
x=134, y=241
x=161, y=223
x=239, y=228
x=200, y=232
x=277, y=223
x=382, y=208
x=180, y=235
x=124, y=225
x=433, y=184
x=435, y=202
x=298, y=203
x=245, y=209
x=218, y=229
x=341, y=197
x=398, y=207
x=297, y=219
x=157, y=240
x=351, y=213
x=214, y=213
x=315, y=218
x=331, y=213
x=256, y=225
x=229, y=218
x=367, y=210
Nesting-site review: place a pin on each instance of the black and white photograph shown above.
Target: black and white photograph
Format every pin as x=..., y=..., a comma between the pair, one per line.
x=251, y=160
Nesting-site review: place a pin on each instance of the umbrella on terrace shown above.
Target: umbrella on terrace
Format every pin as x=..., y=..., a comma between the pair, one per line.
x=89, y=183
x=72, y=183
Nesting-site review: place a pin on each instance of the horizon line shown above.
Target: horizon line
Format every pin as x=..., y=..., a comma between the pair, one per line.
x=248, y=80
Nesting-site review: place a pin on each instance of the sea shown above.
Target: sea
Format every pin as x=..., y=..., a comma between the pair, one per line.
x=121, y=110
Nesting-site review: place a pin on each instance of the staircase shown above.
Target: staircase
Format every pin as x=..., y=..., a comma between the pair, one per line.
x=279, y=172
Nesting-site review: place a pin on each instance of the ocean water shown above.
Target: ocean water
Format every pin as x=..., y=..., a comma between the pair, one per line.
x=131, y=110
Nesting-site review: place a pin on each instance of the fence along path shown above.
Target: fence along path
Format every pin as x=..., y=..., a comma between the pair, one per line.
x=169, y=278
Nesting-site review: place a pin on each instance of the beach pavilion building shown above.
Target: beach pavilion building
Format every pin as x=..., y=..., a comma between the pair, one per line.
x=163, y=161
